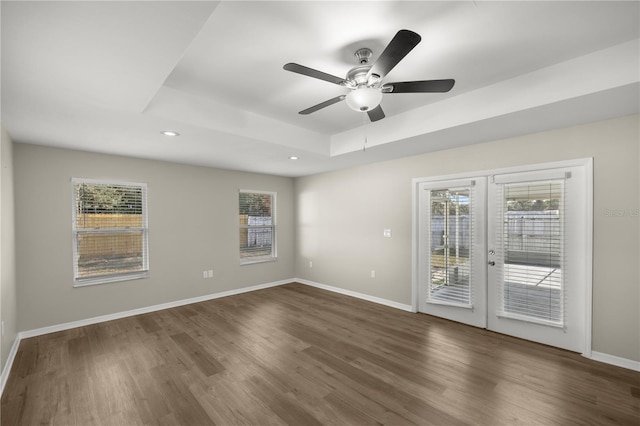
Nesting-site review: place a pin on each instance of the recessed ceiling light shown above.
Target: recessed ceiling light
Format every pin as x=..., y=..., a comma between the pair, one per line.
x=170, y=133
x=293, y=157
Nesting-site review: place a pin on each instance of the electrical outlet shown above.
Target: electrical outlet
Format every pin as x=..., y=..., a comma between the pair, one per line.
x=387, y=233
x=310, y=264
x=373, y=273
x=210, y=273
x=204, y=274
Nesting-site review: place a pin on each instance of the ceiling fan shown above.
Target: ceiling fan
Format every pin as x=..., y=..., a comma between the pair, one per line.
x=365, y=81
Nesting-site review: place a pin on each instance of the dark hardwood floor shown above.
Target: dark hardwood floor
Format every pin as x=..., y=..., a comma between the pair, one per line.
x=301, y=356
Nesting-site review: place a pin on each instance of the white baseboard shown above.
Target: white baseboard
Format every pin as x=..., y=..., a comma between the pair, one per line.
x=103, y=318
x=615, y=360
x=597, y=356
x=362, y=296
x=147, y=309
x=7, y=366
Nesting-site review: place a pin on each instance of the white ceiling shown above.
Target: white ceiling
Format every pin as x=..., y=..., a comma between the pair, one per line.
x=109, y=76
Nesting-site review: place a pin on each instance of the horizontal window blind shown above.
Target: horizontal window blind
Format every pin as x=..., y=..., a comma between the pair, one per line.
x=110, y=231
x=451, y=239
x=257, y=226
x=531, y=246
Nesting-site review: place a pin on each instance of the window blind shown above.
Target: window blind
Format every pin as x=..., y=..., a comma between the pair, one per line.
x=257, y=226
x=110, y=231
x=451, y=217
x=531, y=244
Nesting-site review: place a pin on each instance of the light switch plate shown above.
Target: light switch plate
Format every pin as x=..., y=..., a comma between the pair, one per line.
x=387, y=233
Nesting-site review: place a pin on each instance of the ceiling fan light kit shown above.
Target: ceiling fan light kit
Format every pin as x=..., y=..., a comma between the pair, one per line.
x=363, y=99
x=365, y=80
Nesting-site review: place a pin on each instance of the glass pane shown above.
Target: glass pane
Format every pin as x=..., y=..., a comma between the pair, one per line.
x=532, y=241
x=450, y=246
x=109, y=254
x=255, y=206
x=256, y=242
x=256, y=225
x=102, y=206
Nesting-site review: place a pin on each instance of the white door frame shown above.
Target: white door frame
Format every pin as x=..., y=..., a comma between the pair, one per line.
x=587, y=163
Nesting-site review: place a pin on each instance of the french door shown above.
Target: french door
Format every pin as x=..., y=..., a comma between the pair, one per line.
x=452, y=249
x=508, y=252
x=537, y=250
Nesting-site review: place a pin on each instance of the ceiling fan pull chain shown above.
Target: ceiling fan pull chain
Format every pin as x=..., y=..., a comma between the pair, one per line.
x=364, y=126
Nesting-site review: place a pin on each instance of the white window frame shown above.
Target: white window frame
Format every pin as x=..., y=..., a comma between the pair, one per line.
x=114, y=277
x=274, y=246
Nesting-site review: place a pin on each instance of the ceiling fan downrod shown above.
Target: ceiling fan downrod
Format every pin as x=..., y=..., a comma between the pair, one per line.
x=363, y=55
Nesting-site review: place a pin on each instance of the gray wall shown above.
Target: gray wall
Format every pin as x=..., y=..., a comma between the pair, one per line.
x=193, y=226
x=8, y=303
x=341, y=217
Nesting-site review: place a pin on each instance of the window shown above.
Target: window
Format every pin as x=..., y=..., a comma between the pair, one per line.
x=109, y=231
x=257, y=226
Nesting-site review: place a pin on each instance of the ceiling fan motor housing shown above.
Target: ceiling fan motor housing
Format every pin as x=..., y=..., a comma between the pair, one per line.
x=358, y=76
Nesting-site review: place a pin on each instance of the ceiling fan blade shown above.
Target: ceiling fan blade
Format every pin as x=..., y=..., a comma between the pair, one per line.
x=322, y=105
x=310, y=72
x=401, y=44
x=376, y=114
x=425, y=86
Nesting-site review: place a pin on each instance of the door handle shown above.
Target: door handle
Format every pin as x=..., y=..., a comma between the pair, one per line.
x=492, y=263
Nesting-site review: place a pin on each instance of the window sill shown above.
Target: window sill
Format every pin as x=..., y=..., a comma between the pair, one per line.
x=257, y=260
x=110, y=279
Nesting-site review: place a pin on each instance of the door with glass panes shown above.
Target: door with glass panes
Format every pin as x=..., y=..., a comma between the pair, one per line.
x=536, y=260
x=451, y=250
x=507, y=252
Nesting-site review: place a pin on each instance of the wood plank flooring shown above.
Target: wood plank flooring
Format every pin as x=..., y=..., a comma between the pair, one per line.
x=297, y=355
